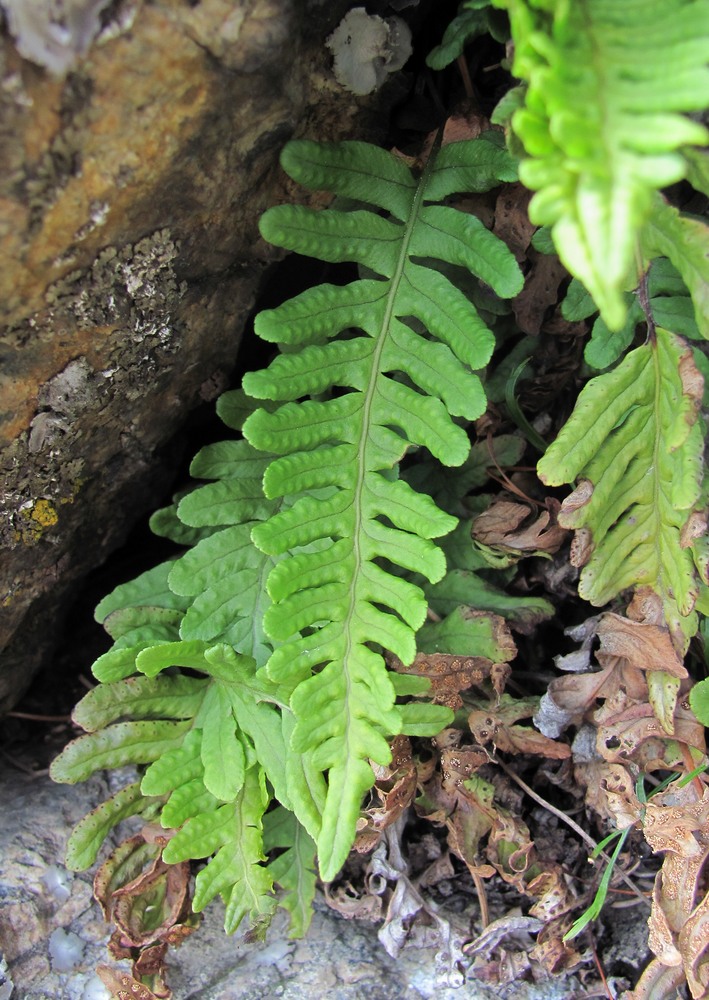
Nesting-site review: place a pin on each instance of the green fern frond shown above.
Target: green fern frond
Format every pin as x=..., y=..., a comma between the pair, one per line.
x=670, y=307
x=233, y=833
x=474, y=18
x=602, y=124
x=89, y=834
x=685, y=241
x=395, y=389
x=200, y=734
x=294, y=869
x=634, y=445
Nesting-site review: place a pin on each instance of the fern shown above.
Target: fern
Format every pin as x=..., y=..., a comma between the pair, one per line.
x=396, y=388
x=249, y=678
x=208, y=686
x=210, y=741
x=474, y=18
x=635, y=444
x=601, y=123
x=671, y=307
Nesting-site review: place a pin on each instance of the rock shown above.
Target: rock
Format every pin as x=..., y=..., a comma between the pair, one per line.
x=137, y=151
x=54, y=937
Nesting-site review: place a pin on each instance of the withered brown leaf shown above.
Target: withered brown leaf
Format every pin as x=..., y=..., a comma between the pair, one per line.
x=147, y=901
x=642, y=645
x=694, y=948
x=122, y=986
x=449, y=674
x=635, y=733
x=395, y=789
x=496, y=725
x=516, y=528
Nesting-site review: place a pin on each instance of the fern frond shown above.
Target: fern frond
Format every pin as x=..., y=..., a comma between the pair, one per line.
x=294, y=869
x=634, y=445
x=395, y=388
x=233, y=833
x=88, y=835
x=200, y=734
x=602, y=124
x=474, y=18
x=670, y=307
x=685, y=241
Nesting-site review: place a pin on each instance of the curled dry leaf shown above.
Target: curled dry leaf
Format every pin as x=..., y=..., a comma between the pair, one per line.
x=553, y=953
x=693, y=945
x=351, y=904
x=460, y=800
x=162, y=889
x=517, y=529
x=679, y=929
x=677, y=823
x=657, y=982
x=514, y=856
x=577, y=694
x=598, y=777
x=672, y=828
x=498, y=930
x=581, y=548
x=635, y=733
x=405, y=902
x=647, y=647
x=496, y=725
x=467, y=805
x=148, y=902
x=646, y=607
x=578, y=498
x=394, y=791
x=122, y=986
x=661, y=936
x=579, y=659
x=449, y=675
x=630, y=653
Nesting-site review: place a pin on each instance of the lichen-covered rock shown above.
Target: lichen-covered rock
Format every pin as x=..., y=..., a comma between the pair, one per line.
x=138, y=147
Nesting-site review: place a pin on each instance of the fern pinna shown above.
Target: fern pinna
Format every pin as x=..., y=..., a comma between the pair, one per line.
x=245, y=673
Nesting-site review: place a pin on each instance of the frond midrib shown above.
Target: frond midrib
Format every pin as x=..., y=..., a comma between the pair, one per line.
x=362, y=464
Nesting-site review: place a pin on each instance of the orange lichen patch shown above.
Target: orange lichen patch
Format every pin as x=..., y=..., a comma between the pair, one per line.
x=42, y=362
x=123, y=139
x=125, y=144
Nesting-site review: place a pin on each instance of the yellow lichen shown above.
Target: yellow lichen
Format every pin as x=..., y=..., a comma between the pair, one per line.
x=44, y=513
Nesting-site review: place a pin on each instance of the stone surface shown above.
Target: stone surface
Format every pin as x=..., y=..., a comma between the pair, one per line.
x=53, y=935
x=130, y=190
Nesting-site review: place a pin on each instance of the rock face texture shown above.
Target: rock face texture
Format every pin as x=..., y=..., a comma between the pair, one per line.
x=138, y=147
x=54, y=937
